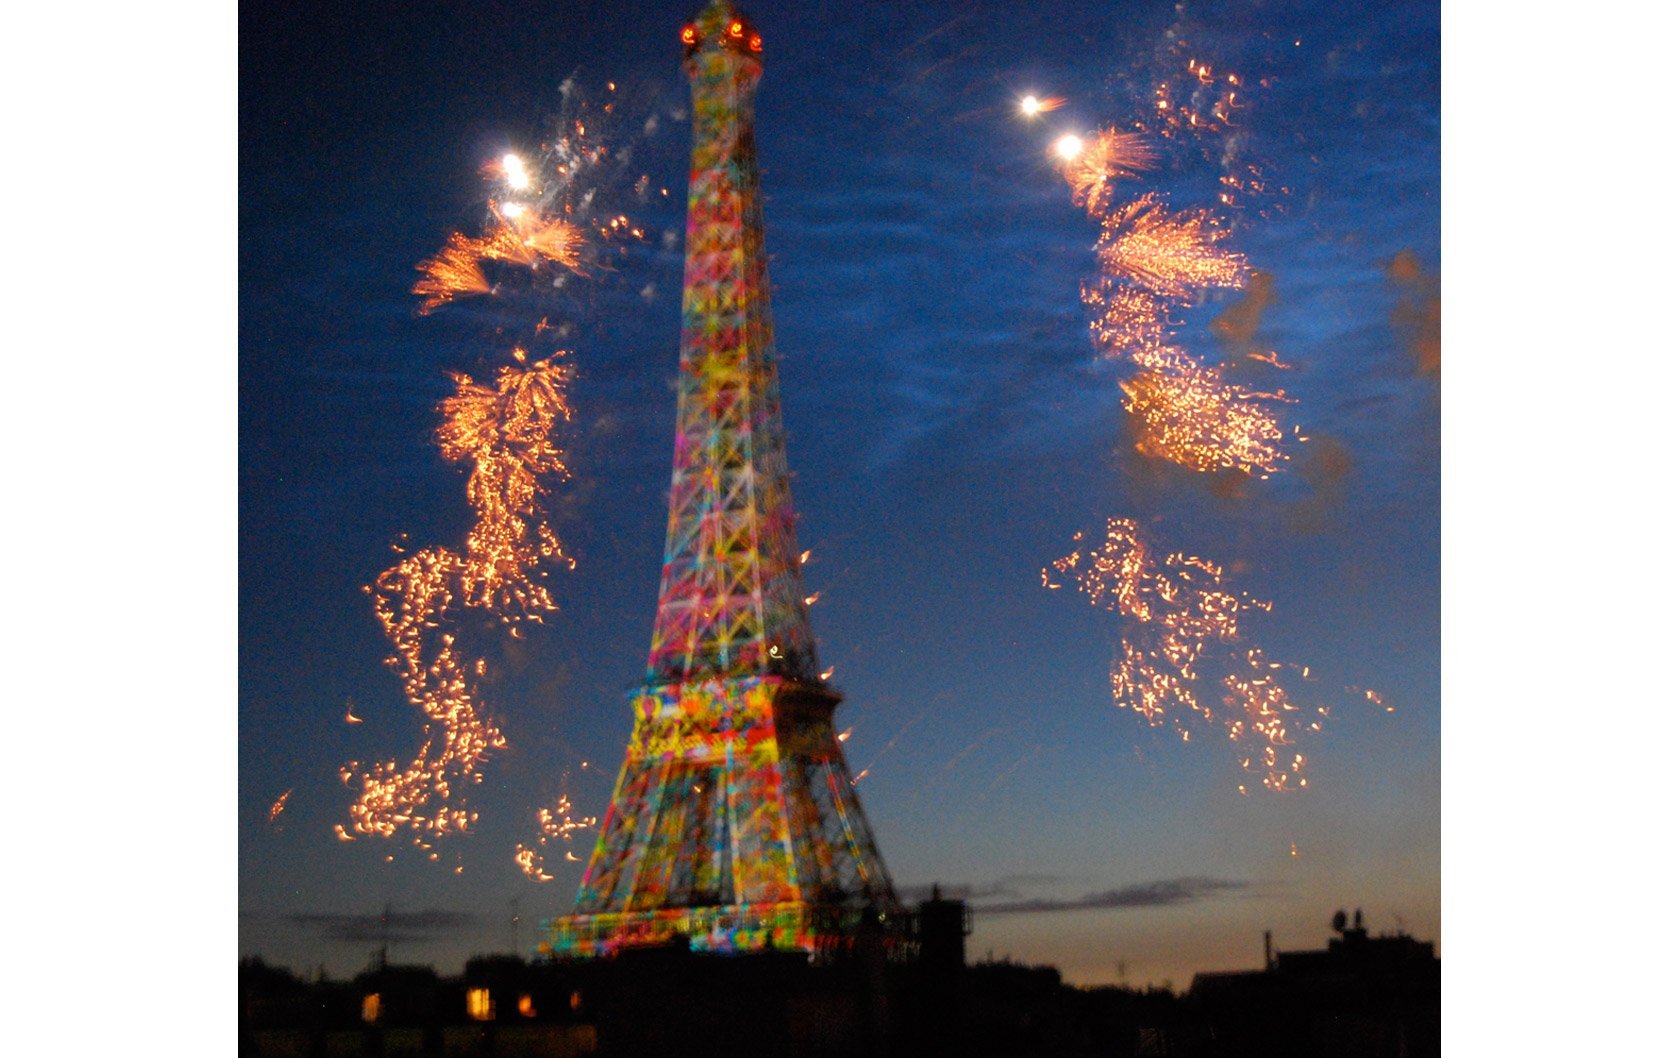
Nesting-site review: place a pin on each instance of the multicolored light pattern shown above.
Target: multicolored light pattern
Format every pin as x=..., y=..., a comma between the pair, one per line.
x=734, y=820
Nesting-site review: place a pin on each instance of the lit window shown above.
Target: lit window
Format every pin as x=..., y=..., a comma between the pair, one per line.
x=370, y=1007
x=526, y=1007
x=480, y=1007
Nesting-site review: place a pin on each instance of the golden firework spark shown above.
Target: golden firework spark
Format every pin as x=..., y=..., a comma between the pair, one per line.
x=506, y=432
x=1181, y=410
x=1179, y=619
x=1190, y=415
x=1124, y=321
x=1109, y=154
x=557, y=240
x=278, y=806
x=505, y=244
x=1197, y=99
x=451, y=273
x=554, y=824
x=531, y=864
x=1169, y=254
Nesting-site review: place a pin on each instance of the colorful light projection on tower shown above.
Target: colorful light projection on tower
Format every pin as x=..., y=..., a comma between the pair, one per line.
x=734, y=821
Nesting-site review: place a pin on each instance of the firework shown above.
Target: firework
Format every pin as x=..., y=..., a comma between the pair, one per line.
x=1182, y=632
x=1197, y=100
x=1181, y=410
x=531, y=239
x=1200, y=108
x=1270, y=358
x=513, y=170
x=505, y=432
x=454, y=271
x=1124, y=322
x=1169, y=254
x=542, y=206
x=1109, y=154
x=556, y=240
x=1032, y=106
x=554, y=824
x=530, y=864
x=1190, y=415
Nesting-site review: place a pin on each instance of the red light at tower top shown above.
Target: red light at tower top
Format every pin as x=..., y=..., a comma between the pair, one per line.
x=719, y=26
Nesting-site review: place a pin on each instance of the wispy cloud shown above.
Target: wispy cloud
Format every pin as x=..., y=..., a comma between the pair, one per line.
x=395, y=926
x=1007, y=886
x=1164, y=893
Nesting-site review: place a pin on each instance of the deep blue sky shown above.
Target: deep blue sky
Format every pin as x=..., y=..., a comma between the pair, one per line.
x=950, y=430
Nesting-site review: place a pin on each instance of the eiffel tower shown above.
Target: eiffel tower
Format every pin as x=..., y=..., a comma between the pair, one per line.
x=734, y=822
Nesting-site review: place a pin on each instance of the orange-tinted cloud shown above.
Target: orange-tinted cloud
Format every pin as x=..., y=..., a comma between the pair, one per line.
x=1325, y=465
x=1237, y=325
x=1417, y=316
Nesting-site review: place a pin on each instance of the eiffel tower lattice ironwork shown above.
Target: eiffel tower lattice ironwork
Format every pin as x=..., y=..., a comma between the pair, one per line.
x=734, y=821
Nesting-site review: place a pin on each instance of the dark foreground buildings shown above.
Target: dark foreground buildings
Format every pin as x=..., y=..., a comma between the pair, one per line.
x=1362, y=996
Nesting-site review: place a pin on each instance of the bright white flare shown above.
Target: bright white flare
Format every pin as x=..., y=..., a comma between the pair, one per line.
x=1031, y=105
x=1069, y=146
x=514, y=167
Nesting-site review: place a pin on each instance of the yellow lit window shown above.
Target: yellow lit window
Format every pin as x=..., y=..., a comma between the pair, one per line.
x=526, y=1007
x=370, y=1007
x=479, y=1005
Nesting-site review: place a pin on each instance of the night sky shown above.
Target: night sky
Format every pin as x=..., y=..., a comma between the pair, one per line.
x=950, y=429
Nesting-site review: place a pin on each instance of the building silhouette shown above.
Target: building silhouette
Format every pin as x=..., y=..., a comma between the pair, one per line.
x=1361, y=995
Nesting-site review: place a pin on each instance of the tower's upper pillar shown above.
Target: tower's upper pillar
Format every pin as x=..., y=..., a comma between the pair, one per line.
x=730, y=599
